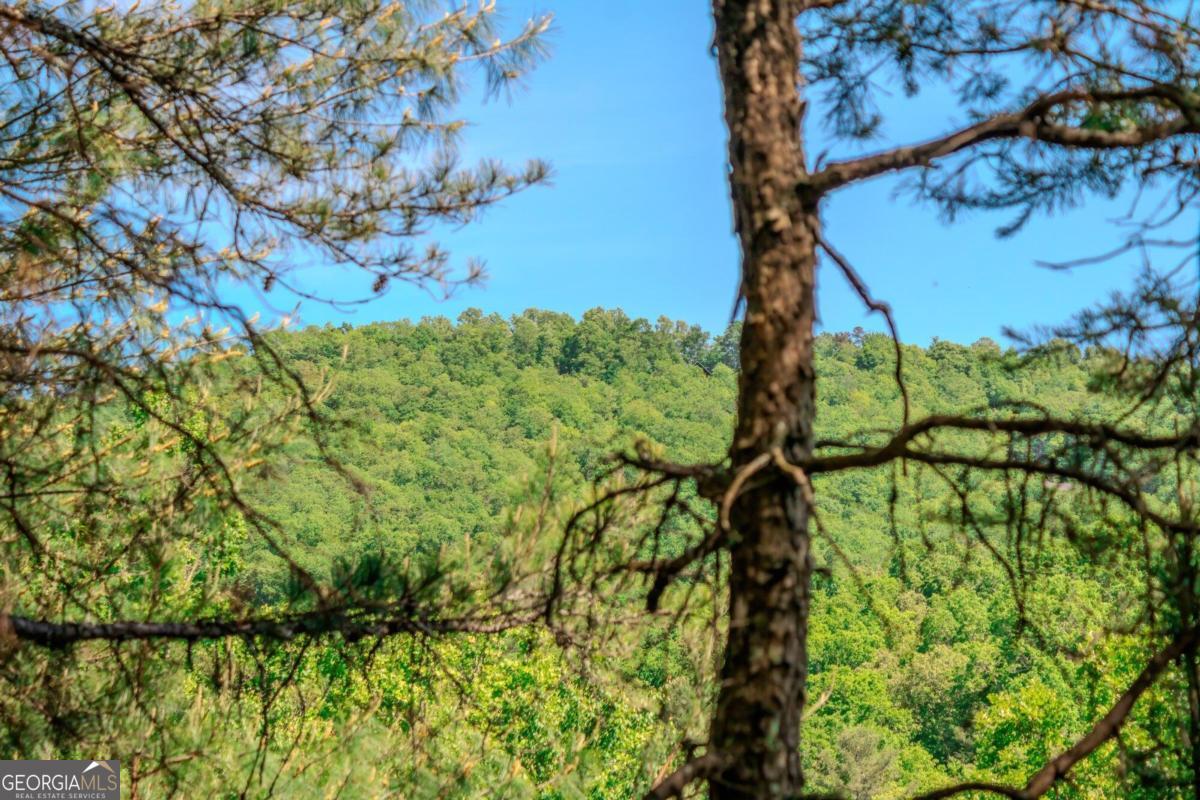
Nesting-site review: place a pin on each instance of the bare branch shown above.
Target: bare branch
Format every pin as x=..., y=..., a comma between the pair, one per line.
x=864, y=293
x=665, y=571
x=676, y=783
x=973, y=786
x=735, y=486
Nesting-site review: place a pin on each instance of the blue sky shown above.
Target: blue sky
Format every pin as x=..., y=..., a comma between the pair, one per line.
x=627, y=110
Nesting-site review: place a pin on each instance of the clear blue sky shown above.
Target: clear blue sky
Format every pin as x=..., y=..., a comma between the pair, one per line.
x=627, y=110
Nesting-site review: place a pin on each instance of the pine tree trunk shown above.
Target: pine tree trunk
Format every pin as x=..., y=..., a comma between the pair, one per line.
x=762, y=695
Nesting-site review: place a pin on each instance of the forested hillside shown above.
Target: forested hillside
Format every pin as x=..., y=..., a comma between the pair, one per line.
x=937, y=653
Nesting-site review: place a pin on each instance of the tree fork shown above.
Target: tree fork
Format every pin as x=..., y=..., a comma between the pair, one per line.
x=759, y=708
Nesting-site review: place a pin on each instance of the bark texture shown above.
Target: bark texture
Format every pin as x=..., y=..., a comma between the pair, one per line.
x=762, y=694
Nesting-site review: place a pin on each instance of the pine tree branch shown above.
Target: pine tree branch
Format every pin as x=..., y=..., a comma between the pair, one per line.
x=1030, y=122
x=1132, y=498
x=349, y=623
x=897, y=446
x=675, y=784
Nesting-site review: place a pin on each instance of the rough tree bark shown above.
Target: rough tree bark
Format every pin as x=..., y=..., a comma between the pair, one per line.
x=756, y=727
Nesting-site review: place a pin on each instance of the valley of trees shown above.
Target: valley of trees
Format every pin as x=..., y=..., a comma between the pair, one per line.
x=925, y=671
x=924, y=668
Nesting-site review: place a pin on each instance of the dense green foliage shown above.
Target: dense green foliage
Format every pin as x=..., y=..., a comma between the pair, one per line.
x=449, y=421
x=923, y=670
x=926, y=675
